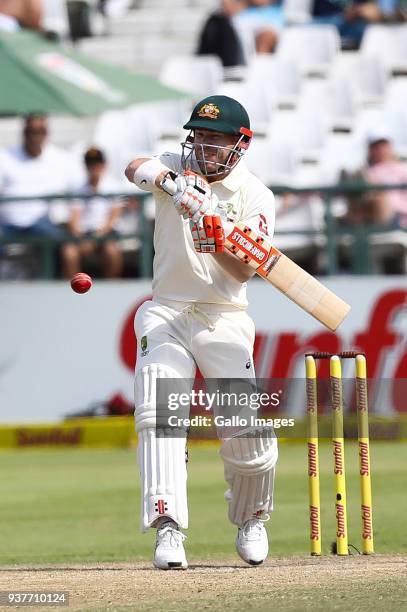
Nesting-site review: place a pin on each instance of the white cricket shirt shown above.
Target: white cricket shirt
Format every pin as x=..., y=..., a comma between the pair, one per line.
x=50, y=173
x=182, y=274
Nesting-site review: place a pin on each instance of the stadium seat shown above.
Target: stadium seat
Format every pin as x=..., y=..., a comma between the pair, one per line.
x=55, y=17
x=65, y=130
x=169, y=117
x=390, y=121
x=200, y=75
x=271, y=160
x=124, y=134
x=304, y=133
x=259, y=101
x=172, y=145
x=385, y=246
x=163, y=4
x=313, y=48
x=136, y=23
x=366, y=74
x=334, y=99
x=305, y=213
x=118, y=8
x=297, y=11
x=396, y=95
x=340, y=152
x=387, y=43
x=10, y=129
x=281, y=76
x=122, y=51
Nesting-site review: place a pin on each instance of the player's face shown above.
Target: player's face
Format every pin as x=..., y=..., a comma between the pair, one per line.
x=212, y=150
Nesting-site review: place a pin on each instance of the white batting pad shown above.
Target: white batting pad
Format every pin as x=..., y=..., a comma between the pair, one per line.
x=161, y=458
x=249, y=470
x=145, y=392
x=163, y=478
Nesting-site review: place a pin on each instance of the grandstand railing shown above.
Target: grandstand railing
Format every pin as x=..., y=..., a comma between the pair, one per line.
x=359, y=237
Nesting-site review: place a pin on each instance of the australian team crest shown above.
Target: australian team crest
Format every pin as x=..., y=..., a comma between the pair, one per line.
x=143, y=344
x=209, y=111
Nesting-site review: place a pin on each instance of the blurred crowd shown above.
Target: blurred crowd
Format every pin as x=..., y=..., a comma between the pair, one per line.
x=228, y=31
x=85, y=232
x=100, y=234
x=88, y=232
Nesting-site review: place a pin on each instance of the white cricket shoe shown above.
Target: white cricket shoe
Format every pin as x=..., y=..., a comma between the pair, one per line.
x=252, y=542
x=169, y=548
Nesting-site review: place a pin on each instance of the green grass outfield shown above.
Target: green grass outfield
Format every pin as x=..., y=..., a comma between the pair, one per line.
x=68, y=506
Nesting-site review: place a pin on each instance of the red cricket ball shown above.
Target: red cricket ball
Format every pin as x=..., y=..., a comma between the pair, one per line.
x=81, y=282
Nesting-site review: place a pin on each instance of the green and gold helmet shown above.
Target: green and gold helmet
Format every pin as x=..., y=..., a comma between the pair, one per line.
x=216, y=114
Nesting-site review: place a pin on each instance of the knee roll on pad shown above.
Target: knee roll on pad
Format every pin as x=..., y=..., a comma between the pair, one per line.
x=250, y=452
x=249, y=470
x=145, y=392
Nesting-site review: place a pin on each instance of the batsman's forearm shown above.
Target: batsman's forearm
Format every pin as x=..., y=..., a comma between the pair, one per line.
x=147, y=173
x=231, y=264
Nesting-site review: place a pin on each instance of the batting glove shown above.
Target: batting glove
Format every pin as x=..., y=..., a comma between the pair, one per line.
x=190, y=194
x=208, y=235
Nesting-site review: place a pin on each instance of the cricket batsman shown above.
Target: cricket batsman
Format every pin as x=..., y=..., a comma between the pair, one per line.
x=198, y=318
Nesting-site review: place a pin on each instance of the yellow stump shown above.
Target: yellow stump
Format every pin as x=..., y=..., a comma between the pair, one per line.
x=339, y=456
x=313, y=459
x=364, y=456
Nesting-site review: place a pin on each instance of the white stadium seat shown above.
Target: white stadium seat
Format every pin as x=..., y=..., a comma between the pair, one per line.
x=341, y=152
x=271, y=160
x=122, y=51
x=306, y=213
x=313, y=47
x=335, y=99
x=200, y=75
x=281, y=76
x=55, y=17
x=304, y=134
x=388, y=43
x=169, y=117
x=259, y=101
x=388, y=120
x=396, y=95
x=297, y=11
x=125, y=134
x=366, y=73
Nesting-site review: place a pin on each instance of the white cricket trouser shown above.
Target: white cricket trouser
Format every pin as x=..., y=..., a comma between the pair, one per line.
x=173, y=339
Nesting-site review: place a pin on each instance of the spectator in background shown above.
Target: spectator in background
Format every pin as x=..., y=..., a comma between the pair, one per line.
x=219, y=36
x=262, y=20
x=33, y=169
x=20, y=13
x=383, y=167
x=393, y=11
x=351, y=17
x=92, y=223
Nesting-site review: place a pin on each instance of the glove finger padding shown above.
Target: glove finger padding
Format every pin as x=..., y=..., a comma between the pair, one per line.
x=192, y=204
x=197, y=182
x=194, y=200
x=208, y=236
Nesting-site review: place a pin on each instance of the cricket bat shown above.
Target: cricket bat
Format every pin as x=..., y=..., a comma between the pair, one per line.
x=289, y=278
